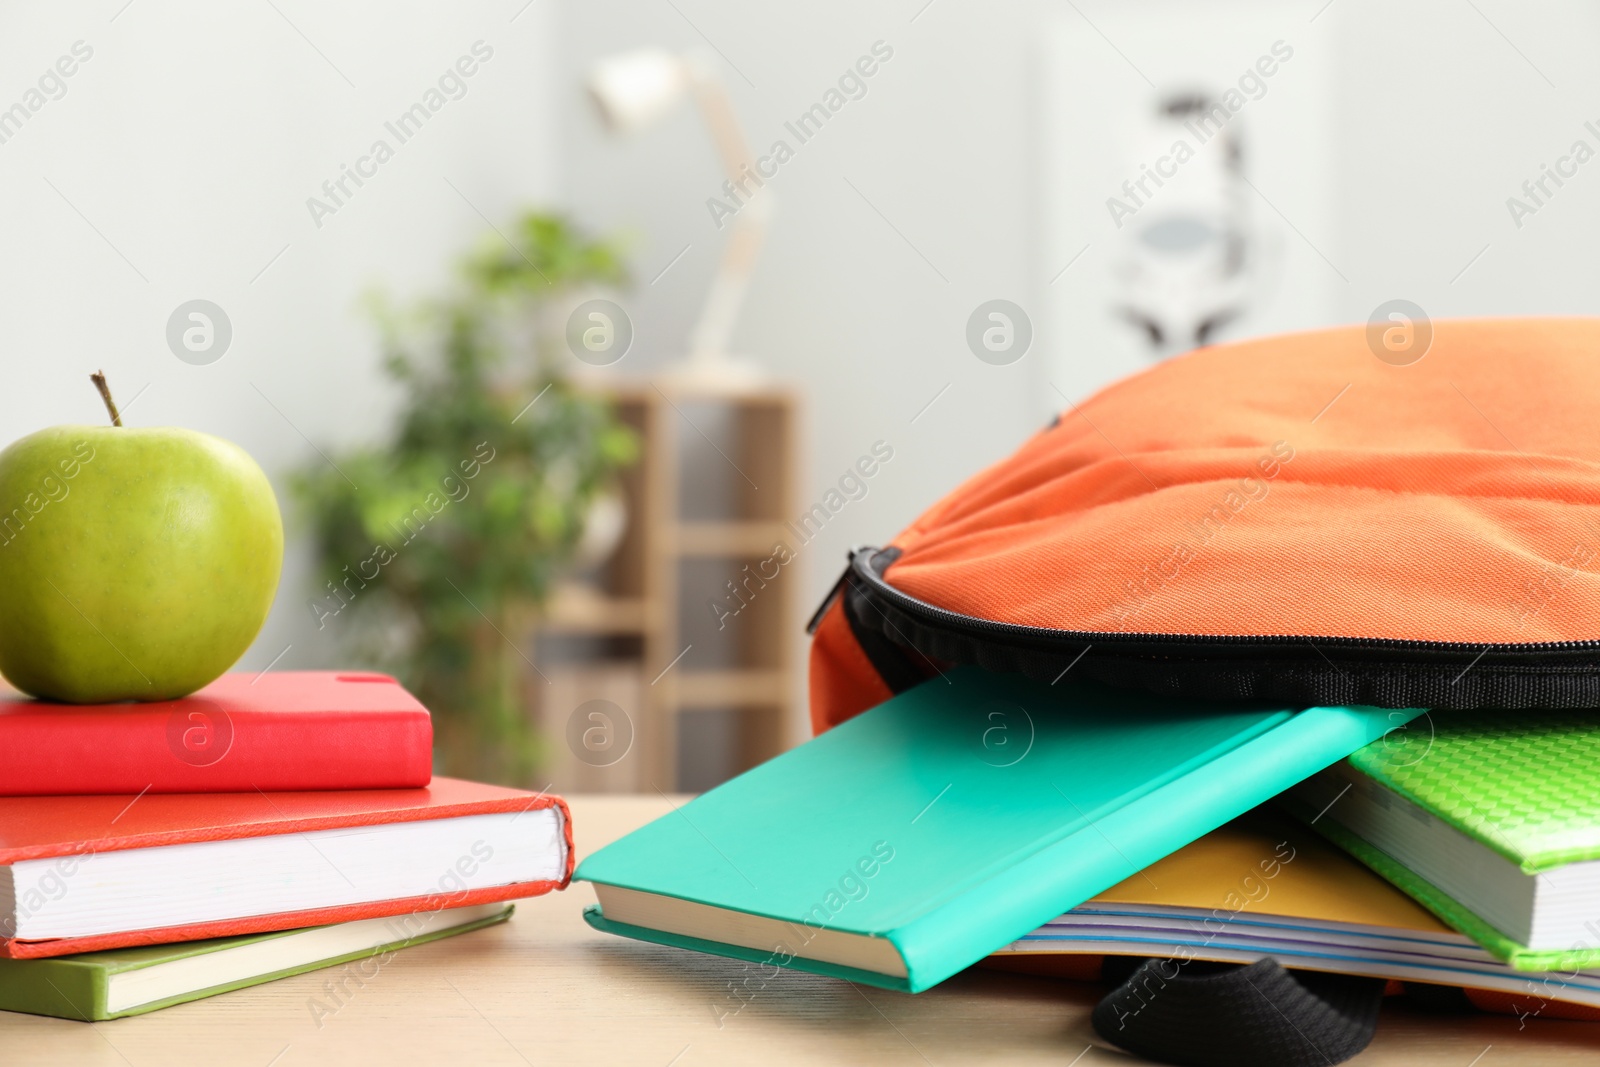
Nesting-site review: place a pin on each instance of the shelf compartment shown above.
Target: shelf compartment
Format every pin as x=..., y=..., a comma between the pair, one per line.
x=579, y=610
x=742, y=539
x=728, y=688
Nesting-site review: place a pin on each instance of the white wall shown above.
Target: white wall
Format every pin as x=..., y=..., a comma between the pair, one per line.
x=941, y=145
x=1444, y=113
x=1383, y=153
x=191, y=140
x=1105, y=72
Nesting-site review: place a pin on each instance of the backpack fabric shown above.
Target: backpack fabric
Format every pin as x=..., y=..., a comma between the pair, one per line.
x=1296, y=519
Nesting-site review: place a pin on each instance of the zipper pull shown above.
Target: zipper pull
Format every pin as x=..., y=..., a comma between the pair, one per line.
x=833, y=594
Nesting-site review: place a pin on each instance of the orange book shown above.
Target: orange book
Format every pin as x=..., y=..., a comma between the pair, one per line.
x=84, y=873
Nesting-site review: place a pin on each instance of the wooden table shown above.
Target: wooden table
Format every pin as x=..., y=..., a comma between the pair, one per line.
x=546, y=989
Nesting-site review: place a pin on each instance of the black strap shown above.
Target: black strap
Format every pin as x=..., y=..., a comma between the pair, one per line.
x=1201, y=1014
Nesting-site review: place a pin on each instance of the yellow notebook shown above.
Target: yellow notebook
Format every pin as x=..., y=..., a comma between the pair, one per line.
x=1266, y=863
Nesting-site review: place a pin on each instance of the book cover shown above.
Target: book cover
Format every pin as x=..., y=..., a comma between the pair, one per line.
x=1524, y=783
x=84, y=986
x=69, y=828
x=1266, y=864
x=274, y=731
x=959, y=816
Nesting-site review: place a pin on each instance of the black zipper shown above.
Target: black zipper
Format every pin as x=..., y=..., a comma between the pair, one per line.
x=1382, y=671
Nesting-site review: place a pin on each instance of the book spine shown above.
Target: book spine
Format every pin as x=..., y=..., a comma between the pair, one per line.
x=65, y=989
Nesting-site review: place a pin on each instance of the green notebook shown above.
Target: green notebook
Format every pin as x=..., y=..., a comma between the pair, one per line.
x=1490, y=819
x=915, y=839
x=92, y=986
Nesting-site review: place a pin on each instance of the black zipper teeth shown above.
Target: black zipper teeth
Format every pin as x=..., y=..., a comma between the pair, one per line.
x=932, y=615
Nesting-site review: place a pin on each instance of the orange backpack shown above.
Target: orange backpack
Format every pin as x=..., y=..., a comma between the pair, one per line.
x=1293, y=518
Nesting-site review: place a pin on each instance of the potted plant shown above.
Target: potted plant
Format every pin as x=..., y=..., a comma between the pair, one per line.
x=436, y=549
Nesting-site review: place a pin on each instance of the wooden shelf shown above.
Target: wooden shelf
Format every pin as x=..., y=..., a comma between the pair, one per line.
x=577, y=610
x=734, y=688
x=661, y=574
x=704, y=539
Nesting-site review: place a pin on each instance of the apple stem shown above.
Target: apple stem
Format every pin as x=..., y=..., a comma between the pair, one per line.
x=99, y=380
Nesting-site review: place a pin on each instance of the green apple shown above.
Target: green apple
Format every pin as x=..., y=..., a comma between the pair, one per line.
x=135, y=564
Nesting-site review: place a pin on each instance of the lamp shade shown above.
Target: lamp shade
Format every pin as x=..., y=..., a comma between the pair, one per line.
x=632, y=89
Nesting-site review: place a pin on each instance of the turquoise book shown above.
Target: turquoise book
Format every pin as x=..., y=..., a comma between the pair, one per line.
x=908, y=843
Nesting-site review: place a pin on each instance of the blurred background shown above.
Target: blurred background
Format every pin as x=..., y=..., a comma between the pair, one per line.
x=581, y=340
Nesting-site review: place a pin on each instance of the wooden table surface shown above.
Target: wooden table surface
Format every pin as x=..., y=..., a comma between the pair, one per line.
x=546, y=989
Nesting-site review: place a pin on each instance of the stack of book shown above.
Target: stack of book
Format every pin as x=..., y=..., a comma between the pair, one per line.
x=1464, y=852
x=272, y=824
x=1048, y=827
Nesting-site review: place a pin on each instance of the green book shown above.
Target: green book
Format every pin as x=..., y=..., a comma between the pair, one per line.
x=92, y=986
x=915, y=839
x=1490, y=819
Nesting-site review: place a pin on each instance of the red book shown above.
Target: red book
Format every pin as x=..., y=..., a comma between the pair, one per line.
x=276, y=731
x=85, y=873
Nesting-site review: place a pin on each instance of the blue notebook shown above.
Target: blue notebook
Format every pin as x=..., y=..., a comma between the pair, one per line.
x=917, y=838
